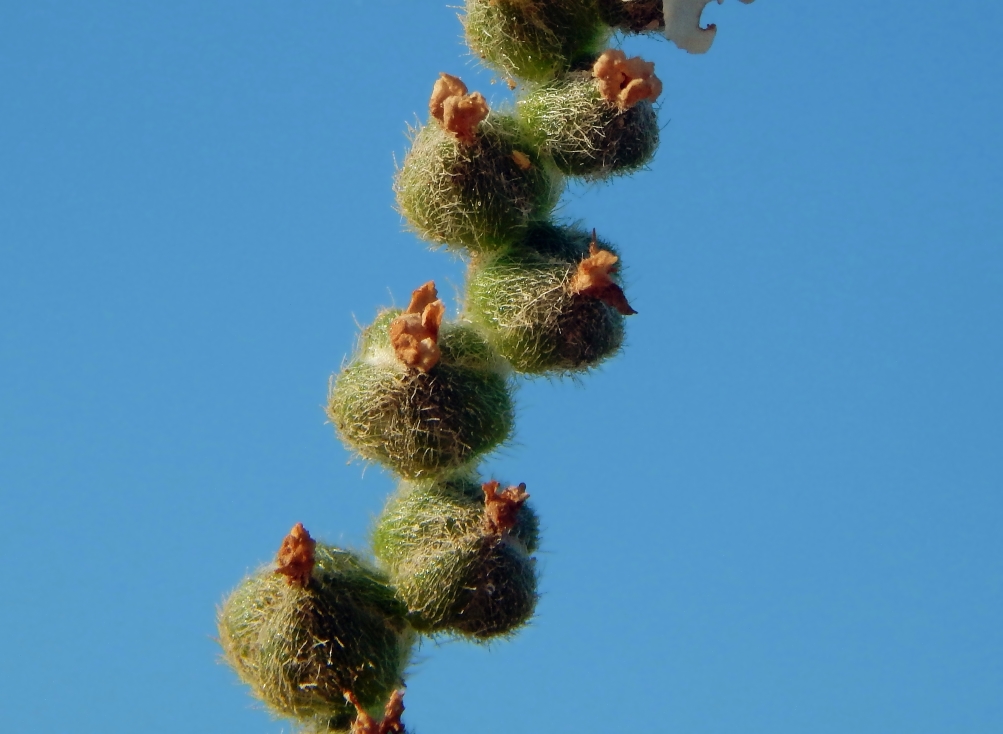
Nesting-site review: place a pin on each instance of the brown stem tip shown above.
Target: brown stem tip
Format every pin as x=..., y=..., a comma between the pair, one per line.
x=592, y=279
x=391, y=724
x=457, y=112
x=415, y=333
x=501, y=509
x=295, y=559
x=625, y=82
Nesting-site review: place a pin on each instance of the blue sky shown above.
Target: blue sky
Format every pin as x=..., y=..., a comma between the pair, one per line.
x=778, y=510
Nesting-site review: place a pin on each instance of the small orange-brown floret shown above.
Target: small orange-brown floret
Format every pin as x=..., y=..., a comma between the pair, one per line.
x=592, y=279
x=522, y=160
x=457, y=112
x=391, y=724
x=501, y=509
x=415, y=333
x=296, y=556
x=623, y=81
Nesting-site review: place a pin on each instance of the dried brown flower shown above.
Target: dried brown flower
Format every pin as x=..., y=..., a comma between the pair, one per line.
x=592, y=279
x=415, y=333
x=295, y=559
x=623, y=81
x=502, y=508
x=457, y=112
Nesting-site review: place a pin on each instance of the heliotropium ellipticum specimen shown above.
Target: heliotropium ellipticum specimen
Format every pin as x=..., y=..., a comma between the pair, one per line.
x=322, y=636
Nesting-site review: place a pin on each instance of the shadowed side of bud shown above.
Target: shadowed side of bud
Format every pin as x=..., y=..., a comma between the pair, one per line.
x=633, y=16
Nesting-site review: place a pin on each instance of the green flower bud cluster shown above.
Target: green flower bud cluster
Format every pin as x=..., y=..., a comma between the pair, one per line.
x=476, y=196
x=455, y=573
x=521, y=298
x=587, y=135
x=418, y=423
x=321, y=641
x=324, y=636
x=535, y=40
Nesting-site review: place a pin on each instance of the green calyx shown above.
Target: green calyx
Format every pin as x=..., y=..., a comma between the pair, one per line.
x=479, y=195
x=585, y=134
x=301, y=648
x=423, y=424
x=455, y=574
x=522, y=300
x=534, y=39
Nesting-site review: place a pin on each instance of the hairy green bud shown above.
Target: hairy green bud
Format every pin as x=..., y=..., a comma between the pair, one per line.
x=418, y=423
x=529, y=302
x=458, y=553
x=534, y=39
x=586, y=134
x=479, y=194
x=302, y=640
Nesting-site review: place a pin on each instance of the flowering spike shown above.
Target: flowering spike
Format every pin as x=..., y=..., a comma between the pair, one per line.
x=624, y=81
x=326, y=638
x=366, y=724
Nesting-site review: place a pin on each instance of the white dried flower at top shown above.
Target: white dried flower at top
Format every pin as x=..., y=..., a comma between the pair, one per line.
x=682, y=25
